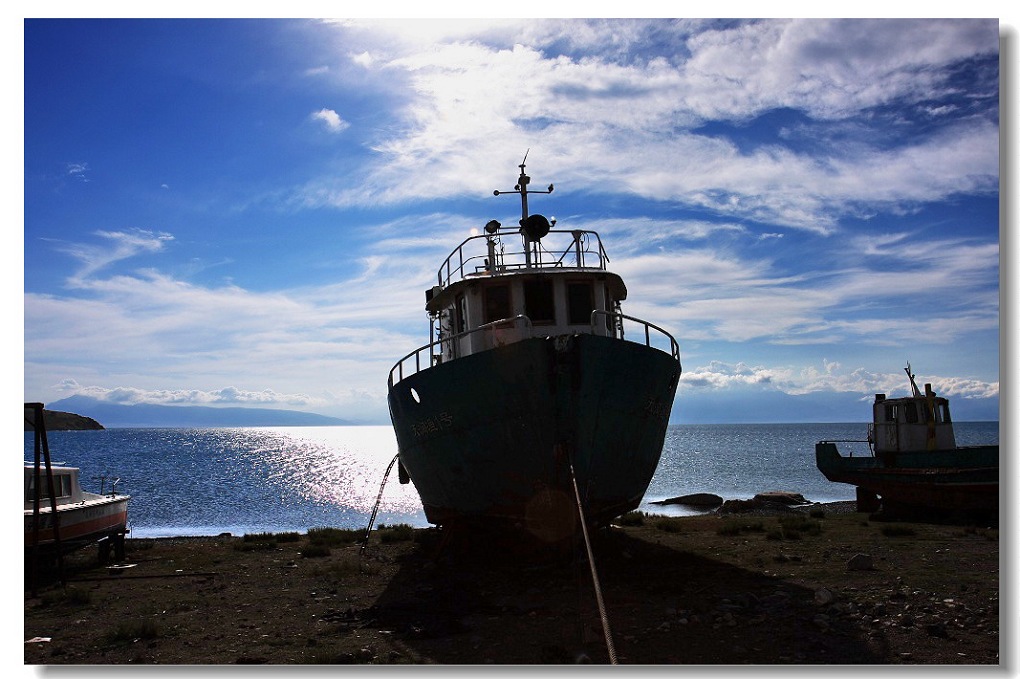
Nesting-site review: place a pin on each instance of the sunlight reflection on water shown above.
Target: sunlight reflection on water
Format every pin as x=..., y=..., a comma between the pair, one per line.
x=332, y=465
x=244, y=480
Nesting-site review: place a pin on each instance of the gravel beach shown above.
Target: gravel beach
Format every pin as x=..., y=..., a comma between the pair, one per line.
x=820, y=585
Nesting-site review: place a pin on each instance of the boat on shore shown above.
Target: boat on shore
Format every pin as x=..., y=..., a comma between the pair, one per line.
x=61, y=516
x=913, y=463
x=536, y=401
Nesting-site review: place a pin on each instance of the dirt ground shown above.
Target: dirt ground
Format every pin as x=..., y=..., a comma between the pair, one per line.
x=801, y=588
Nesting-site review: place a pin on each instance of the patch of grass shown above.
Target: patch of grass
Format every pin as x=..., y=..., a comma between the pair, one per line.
x=315, y=550
x=252, y=546
x=334, y=536
x=894, y=531
x=794, y=528
x=128, y=631
x=738, y=526
x=669, y=525
x=987, y=533
x=287, y=536
x=400, y=532
x=817, y=513
x=344, y=567
x=69, y=595
x=800, y=525
x=631, y=519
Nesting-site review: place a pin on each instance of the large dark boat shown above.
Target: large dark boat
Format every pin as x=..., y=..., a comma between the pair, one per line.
x=913, y=463
x=530, y=403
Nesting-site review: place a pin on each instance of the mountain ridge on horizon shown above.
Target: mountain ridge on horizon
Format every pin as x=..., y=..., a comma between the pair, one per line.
x=692, y=407
x=155, y=415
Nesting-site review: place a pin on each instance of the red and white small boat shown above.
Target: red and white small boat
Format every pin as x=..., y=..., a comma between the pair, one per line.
x=82, y=517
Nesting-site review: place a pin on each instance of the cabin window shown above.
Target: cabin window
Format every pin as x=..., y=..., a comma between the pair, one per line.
x=580, y=303
x=538, y=302
x=944, y=407
x=496, y=302
x=911, y=413
x=890, y=413
x=61, y=484
x=461, y=314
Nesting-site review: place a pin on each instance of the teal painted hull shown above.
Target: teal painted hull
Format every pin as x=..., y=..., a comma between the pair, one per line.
x=494, y=435
x=965, y=479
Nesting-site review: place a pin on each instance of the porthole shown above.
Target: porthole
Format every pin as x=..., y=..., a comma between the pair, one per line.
x=414, y=395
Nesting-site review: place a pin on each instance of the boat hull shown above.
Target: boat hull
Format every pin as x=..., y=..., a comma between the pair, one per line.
x=79, y=524
x=495, y=435
x=959, y=479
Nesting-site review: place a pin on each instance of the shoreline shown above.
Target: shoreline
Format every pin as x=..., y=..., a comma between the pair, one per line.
x=834, y=507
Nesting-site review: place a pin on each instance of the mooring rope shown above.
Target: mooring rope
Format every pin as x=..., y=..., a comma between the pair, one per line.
x=378, y=501
x=594, y=573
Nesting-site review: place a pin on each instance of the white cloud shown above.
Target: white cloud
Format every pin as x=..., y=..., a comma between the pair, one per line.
x=830, y=378
x=331, y=119
x=78, y=171
x=117, y=246
x=484, y=92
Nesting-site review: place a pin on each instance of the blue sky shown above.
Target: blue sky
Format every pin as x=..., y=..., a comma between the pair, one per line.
x=247, y=212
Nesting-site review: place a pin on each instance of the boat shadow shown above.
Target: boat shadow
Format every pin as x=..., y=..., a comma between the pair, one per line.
x=485, y=601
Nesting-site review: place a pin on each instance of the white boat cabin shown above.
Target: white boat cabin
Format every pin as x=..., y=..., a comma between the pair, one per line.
x=914, y=423
x=560, y=287
x=66, y=487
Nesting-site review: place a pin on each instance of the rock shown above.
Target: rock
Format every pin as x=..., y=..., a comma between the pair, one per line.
x=693, y=500
x=860, y=562
x=784, y=497
x=756, y=504
x=824, y=597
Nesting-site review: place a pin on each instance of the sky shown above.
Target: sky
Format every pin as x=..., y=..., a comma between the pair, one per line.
x=247, y=212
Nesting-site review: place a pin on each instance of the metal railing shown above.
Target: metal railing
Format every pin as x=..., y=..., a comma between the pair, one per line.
x=617, y=318
x=549, y=253
x=453, y=341
x=850, y=449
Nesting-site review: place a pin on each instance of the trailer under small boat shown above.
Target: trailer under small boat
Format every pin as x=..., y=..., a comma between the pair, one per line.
x=536, y=396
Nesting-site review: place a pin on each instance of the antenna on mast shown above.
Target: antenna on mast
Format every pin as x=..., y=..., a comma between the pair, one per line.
x=533, y=227
x=913, y=385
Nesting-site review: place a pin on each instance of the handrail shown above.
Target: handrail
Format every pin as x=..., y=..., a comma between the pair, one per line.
x=834, y=441
x=674, y=346
x=399, y=365
x=455, y=266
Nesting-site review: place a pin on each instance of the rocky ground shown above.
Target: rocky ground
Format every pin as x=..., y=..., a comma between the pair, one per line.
x=801, y=587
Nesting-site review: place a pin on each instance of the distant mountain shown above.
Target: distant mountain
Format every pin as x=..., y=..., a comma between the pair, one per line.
x=750, y=406
x=145, y=415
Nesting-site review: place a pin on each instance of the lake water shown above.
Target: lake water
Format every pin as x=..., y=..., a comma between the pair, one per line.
x=253, y=480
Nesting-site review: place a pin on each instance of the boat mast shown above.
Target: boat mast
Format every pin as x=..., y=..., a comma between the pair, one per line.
x=522, y=189
x=914, y=391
